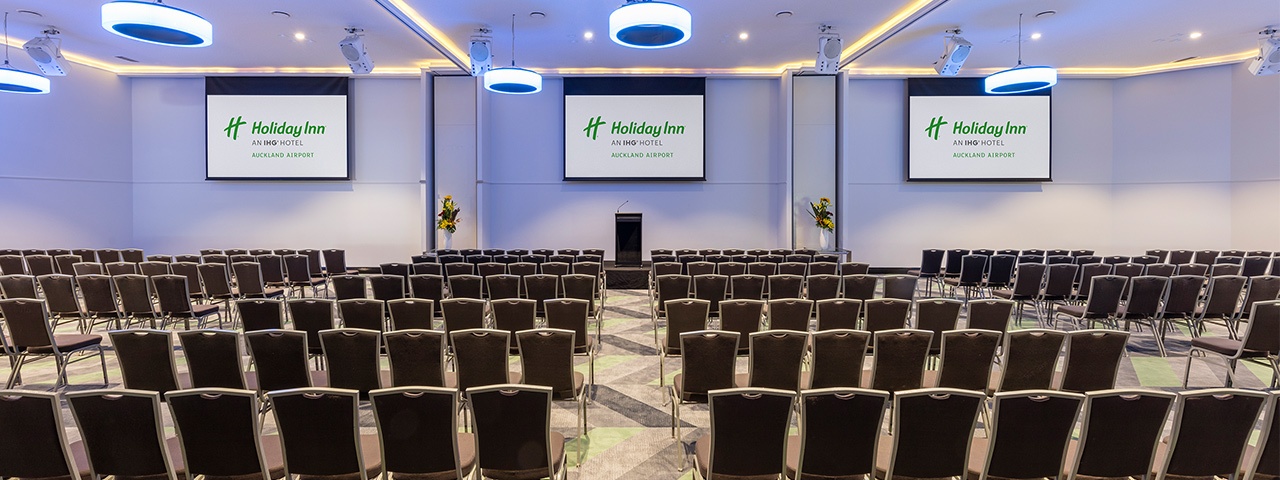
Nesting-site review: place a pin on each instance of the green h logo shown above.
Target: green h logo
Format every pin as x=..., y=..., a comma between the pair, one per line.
x=593, y=125
x=233, y=128
x=935, y=125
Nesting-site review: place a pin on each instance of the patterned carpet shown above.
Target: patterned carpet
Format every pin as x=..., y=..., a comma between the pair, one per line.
x=629, y=436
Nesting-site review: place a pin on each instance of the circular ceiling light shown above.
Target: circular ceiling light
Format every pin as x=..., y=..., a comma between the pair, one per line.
x=513, y=80
x=13, y=80
x=1022, y=78
x=156, y=23
x=650, y=24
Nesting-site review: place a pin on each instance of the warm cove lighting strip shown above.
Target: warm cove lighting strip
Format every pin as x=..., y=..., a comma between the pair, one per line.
x=429, y=32
x=898, y=21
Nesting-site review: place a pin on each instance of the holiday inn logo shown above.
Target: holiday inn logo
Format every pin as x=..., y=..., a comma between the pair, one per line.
x=593, y=126
x=935, y=125
x=233, y=128
x=973, y=128
x=272, y=128
x=631, y=128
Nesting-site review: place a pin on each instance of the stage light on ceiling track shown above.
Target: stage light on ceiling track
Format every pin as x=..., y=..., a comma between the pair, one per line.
x=1021, y=78
x=955, y=50
x=354, y=53
x=13, y=80
x=650, y=24
x=46, y=51
x=513, y=80
x=156, y=23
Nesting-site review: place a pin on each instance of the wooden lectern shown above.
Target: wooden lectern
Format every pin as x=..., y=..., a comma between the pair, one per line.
x=628, y=235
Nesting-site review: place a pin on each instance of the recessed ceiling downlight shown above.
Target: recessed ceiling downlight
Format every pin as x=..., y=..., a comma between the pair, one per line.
x=650, y=24
x=156, y=23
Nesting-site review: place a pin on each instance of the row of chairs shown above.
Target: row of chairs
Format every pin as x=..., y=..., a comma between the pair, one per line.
x=937, y=263
x=477, y=259
x=748, y=258
x=716, y=288
x=1033, y=434
x=217, y=434
x=518, y=251
x=758, y=268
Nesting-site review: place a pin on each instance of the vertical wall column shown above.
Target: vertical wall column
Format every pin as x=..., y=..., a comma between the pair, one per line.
x=813, y=157
x=455, y=161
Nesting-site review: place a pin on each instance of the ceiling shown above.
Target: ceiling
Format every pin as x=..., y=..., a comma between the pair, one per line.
x=1105, y=38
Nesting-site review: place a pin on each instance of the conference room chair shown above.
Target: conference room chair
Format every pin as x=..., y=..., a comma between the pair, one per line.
x=1161, y=255
x=989, y=314
x=492, y=251
x=419, y=434
x=175, y=302
x=747, y=286
x=718, y=258
x=502, y=286
x=748, y=434
x=320, y=433
x=965, y=360
x=1162, y=269
x=36, y=444
x=416, y=358
x=1211, y=429
x=546, y=359
x=272, y=271
x=541, y=287
x=900, y=286
x=937, y=315
x=1087, y=259
x=744, y=317
x=62, y=299
x=685, y=251
x=1059, y=287
x=562, y=257
x=249, y=282
x=85, y=254
x=951, y=262
x=820, y=287
x=313, y=261
x=459, y=268
x=837, y=313
x=101, y=304
x=352, y=359
x=445, y=258
x=1030, y=357
x=1057, y=252
x=218, y=251
x=1119, y=434
x=663, y=258
x=187, y=258
x=151, y=268
x=122, y=434
x=1261, y=340
x=463, y=314
x=279, y=358
x=1220, y=269
x=260, y=314
x=999, y=273
x=756, y=252
x=1181, y=257
x=235, y=251
x=836, y=358
x=466, y=286
x=312, y=315
x=508, y=258
x=858, y=286
x=827, y=258
x=554, y=268
x=789, y=314
x=147, y=360
x=513, y=315
x=700, y=268
x=1092, y=360
x=1258, y=253
x=1181, y=302
x=298, y=274
x=386, y=287
x=109, y=255
x=933, y=431
x=1253, y=266
x=584, y=287
x=930, y=268
x=66, y=264
x=569, y=251
x=335, y=261
x=764, y=269
x=1116, y=259
x=1198, y=269
x=1024, y=258
x=411, y=313
x=213, y=360
x=85, y=268
x=588, y=257
x=824, y=268
x=31, y=336
x=886, y=313
x=972, y=270
x=219, y=434
x=480, y=357
x=38, y=265
x=743, y=258
x=784, y=285
x=1207, y=257
x=1221, y=303
x=712, y=288
x=855, y=268
x=774, y=360
x=12, y=265
x=683, y=315
x=1263, y=460
x=427, y=287
x=260, y=251
x=1144, y=259
x=1015, y=451
x=1142, y=304
x=839, y=432
x=514, y=439
x=733, y=251
x=799, y=269
x=136, y=301
x=709, y=365
x=488, y=269
x=1258, y=289
x=216, y=284
x=425, y=268
x=898, y=358
x=669, y=287
x=1128, y=269
x=363, y=313
x=1102, y=303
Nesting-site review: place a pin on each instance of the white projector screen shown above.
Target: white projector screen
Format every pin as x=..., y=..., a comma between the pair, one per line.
x=634, y=129
x=956, y=132
x=276, y=129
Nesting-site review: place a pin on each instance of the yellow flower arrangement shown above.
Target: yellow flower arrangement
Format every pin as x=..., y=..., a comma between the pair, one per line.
x=448, y=215
x=821, y=213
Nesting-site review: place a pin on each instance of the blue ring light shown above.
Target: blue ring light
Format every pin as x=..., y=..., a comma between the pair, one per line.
x=156, y=23
x=650, y=24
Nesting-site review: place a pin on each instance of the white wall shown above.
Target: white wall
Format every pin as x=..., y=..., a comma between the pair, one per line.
x=377, y=216
x=527, y=205
x=1255, y=161
x=65, y=164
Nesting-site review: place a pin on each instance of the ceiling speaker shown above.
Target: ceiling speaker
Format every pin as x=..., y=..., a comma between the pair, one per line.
x=829, y=48
x=481, y=55
x=353, y=51
x=951, y=61
x=44, y=51
x=1268, y=60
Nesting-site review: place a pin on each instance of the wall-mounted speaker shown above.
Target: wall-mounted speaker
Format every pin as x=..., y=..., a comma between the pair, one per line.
x=957, y=52
x=829, y=48
x=481, y=55
x=353, y=51
x=44, y=51
x=1268, y=60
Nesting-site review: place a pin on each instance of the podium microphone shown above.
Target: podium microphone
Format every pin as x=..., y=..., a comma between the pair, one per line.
x=620, y=206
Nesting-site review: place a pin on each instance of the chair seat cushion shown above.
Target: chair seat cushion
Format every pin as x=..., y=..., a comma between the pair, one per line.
x=466, y=460
x=1073, y=310
x=68, y=343
x=557, y=456
x=1224, y=346
x=202, y=310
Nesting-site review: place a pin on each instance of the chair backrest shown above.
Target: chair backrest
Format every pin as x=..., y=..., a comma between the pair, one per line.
x=122, y=433
x=1199, y=269
x=1266, y=459
x=700, y=268
x=1205, y=256
x=213, y=358
x=838, y=313
x=38, y=265
x=1183, y=296
x=762, y=268
x=898, y=359
x=1146, y=294
x=581, y=286
x=416, y=357
x=953, y=261
x=387, y=286
x=933, y=429
x=311, y=315
x=173, y=291
x=1210, y=431
x=146, y=359
x=931, y=262
x=280, y=359
x=1000, y=270
x=351, y=357
x=730, y=269
x=214, y=278
x=541, y=287
x=707, y=362
x=1105, y=293
x=972, y=268
x=822, y=287
x=1128, y=270
x=824, y=268
x=990, y=314
x=1119, y=432
x=900, y=286
x=513, y=314
x=775, y=359
x=313, y=261
x=793, y=268
x=411, y=313
x=554, y=268
x=749, y=431
x=967, y=357
x=1060, y=280
x=217, y=429
x=417, y=429
x=1263, y=334
x=837, y=358
x=113, y=268
x=60, y=294
x=671, y=287
x=513, y=428
x=428, y=287
x=35, y=444
x=666, y=268
x=502, y=286
x=1181, y=257
x=839, y=431
x=462, y=314
x=248, y=278
x=1030, y=356
x=1251, y=267
x=18, y=286
x=886, y=313
x=67, y=264
x=428, y=268
x=99, y=294
x=790, y=313
x=685, y=315
x=335, y=261
x=261, y=313
x=319, y=431
x=297, y=268
x=1223, y=297
x=712, y=288
x=1260, y=289
x=743, y=317
x=546, y=358
x=480, y=356
x=28, y=322
x=937, y=315
x=1027, y=280
x=1031, y=433
x=570, y=314
x=363, y=313
x=12, y=265
x=747, y=286
x=854, y=268
x=1162, y=269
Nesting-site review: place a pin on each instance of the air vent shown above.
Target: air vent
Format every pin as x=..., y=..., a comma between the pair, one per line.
x=127, y=59
x=1180, y=60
